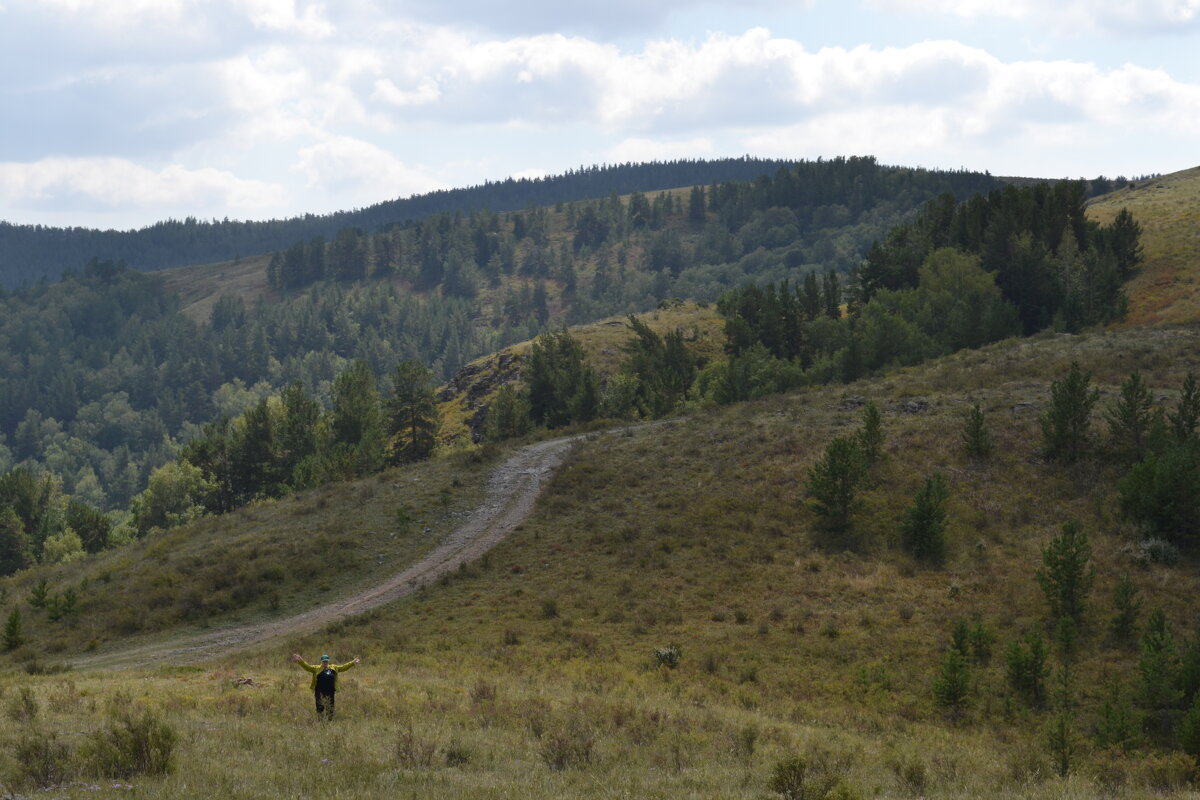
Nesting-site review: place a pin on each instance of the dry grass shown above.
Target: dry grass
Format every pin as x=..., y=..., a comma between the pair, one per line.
x=533, y=673
x=200, y=287
x=1168, y=209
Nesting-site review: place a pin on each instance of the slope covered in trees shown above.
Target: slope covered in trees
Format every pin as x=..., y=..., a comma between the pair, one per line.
x=29, y=253
x=104, y=378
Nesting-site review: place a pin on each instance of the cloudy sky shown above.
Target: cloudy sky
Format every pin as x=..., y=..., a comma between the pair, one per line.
x=118, y=113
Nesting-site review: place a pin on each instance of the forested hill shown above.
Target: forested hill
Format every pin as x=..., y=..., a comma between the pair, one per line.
x=29, y=253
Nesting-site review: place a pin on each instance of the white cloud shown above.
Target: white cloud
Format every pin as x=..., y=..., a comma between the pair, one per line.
x=115, y=182
x=427, y=91
x=121, y=13
x=596, y=18
x=1119, y=17
x=361, y=171
x=281, y=15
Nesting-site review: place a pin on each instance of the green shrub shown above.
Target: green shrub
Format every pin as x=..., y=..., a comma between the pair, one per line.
x=132, y=744
x=44, y=760
x=667, y=656
x=414, y=751
x=567, y=742
x=23, y=706
x=804, y=777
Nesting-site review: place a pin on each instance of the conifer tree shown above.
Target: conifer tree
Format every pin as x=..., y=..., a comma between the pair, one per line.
x=1157, y=664
x=922, y=526
x=1066, y=576
x=870, y=436
x=1186, y=415
x=1026, y=669
x=356, y=418
x=1066, y=423
x=834, y=481
x=975, y=436
x=1124, y=624
x=411, y=412
x=952, y=686
x=1129, y=417
x=508, y=415
x=14, y=633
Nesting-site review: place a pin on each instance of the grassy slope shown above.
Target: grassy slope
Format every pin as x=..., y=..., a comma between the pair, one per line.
x=1168, y=209
x=200, y=287
x=697, y=534
x=602, y=342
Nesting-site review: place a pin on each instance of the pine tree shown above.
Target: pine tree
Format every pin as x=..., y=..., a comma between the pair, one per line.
x=14, y=634
x=508, y=415
x=834, y=481
x=1129, y=417
x=1186, y=415
x=1026, y=669
x=1123, y=627
x=922, y=527
x=356, y=418
x=1118, y=723
x=870, y=436
x=1157, y=664
x=975, y=436
x=1066, y=576
x=1066, y=423
x=952, y=686
x=411, y=413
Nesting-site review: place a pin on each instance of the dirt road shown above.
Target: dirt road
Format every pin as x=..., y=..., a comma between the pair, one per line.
x=512, y=490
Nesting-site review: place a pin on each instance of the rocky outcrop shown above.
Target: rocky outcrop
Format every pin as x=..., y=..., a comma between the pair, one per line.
x=475, y=384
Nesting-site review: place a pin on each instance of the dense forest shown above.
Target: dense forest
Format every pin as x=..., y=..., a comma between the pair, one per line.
x=29, y=253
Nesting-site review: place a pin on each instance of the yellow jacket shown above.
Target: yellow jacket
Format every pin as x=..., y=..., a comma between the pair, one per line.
x=315, y=668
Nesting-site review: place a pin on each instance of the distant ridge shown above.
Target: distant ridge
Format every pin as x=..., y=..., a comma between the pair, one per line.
x=29, y=253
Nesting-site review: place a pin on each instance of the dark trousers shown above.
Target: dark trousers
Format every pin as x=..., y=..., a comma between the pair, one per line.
x=325, y=705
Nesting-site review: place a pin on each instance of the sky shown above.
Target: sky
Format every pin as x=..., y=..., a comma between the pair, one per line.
x=120, y=113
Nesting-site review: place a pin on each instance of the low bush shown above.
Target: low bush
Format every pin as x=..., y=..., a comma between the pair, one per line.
x=132, y=744
x=44, y=760
x=567, y=742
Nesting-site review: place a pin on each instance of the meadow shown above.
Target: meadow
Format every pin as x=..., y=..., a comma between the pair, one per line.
x=670, y=622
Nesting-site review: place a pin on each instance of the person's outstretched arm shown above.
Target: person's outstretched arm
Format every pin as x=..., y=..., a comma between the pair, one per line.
x=304, y=664
x=347, y=665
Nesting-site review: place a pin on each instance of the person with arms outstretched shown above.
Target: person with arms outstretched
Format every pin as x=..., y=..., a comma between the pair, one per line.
x=324, y=681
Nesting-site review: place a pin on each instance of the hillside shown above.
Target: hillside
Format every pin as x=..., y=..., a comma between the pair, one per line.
x=534, y=669
x=674, y=616
x=463, y=401
x=29, y=253
x=106, y=374
x=1168, y=209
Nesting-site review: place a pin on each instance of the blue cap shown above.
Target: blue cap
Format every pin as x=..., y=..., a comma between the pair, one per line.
x=324, y=658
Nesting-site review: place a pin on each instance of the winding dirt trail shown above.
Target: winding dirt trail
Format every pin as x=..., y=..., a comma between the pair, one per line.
x=512, y=490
